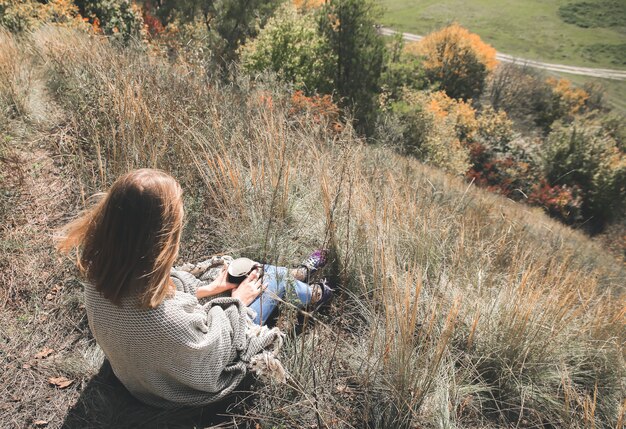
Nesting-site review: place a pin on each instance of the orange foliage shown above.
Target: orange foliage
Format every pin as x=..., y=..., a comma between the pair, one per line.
x=457, y=60
x=574, y=98
x=461, y=112
x=308, y=4
x=453, y=39
x=265, y=100
x=151, y=22
x=320, y=108
x=28, y=15
x=95, y=25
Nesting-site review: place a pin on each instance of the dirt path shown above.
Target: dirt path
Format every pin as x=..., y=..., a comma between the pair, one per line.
x=581, y=71
x=43, y=333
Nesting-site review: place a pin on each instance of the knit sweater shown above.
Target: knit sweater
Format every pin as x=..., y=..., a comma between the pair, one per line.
x=181, y=352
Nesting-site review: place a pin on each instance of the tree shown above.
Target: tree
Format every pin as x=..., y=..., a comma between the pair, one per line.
x=291, y=45
x=229, y=23
x=457, y=60
x=401, y=71
x=359, y=51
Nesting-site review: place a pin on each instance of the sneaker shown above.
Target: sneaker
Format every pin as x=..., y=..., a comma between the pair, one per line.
x=314, y=263
x=327, y=294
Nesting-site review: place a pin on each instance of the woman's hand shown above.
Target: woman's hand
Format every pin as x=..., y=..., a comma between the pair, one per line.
x=249, y=289
x=217, y=286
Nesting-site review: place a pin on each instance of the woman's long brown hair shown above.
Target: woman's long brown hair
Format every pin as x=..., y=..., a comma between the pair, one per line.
x=129, y=240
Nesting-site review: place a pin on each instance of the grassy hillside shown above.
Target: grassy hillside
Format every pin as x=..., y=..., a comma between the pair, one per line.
x=456, y=307
x=593, y=35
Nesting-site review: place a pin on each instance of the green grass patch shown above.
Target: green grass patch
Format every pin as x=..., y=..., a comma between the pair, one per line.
x=532, y=29
x=601, y=51
x=610, y=13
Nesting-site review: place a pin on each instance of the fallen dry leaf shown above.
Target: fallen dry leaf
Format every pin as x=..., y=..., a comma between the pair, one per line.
x=344, y=388
x=40, y=423
x=60, y=382
x=44, y=353
x=27, y=366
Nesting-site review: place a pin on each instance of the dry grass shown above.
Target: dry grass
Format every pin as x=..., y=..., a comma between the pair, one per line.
x=15, y=78
x=457, y=308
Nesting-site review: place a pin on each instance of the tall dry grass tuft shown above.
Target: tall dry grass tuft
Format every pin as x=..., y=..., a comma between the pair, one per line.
x=15, y=77
x=455, y=307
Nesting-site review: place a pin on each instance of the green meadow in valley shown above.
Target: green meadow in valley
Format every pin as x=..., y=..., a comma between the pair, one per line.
x=545, y=30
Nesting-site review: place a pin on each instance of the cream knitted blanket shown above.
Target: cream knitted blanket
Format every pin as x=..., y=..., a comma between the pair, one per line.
x=182, y=352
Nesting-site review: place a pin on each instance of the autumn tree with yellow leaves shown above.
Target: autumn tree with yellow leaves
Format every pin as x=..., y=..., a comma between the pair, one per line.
x=456, y=60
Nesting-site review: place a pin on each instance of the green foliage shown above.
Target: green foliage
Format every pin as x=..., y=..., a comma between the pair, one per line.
x=528, y=96
x=291, y=46
x=422, y=134
x=611, y=52
x=118, y=18
x=606, y=13
x=228, y=23
x=586, y=156
x=615, y=126
x=18, y=16
x=495, y=131
x=349, y=27
x=401, y=71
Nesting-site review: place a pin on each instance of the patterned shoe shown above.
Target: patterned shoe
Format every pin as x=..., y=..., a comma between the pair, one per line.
x=327, y=294
x=314, y=263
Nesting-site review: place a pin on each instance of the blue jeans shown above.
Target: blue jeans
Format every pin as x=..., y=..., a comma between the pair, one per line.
x=278, y=283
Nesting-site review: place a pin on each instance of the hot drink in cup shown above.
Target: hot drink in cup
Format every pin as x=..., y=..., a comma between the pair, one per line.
x=241, y=268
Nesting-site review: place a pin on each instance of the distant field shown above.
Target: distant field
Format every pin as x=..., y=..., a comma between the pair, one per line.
x=585, y=33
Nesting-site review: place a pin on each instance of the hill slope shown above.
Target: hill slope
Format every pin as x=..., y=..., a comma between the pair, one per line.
x=456, y=306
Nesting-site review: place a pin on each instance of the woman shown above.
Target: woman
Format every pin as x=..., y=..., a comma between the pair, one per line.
x=163, y=345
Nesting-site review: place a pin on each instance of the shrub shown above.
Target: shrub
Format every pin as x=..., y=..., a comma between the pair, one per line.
x=514, y=89
x=317, y=109
x=121, y=19
x=308, y=4
x=500, y=173
x=153, y=24
x=458, y=112
x=586, y=156
x=430, y=133
x=20, y=15
x=528, y=96
x=559, y=101
x=449, y=133
x=291, y=45
x=457, y=60
x=502, y=161
x=561, y=202
x=495, y=131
